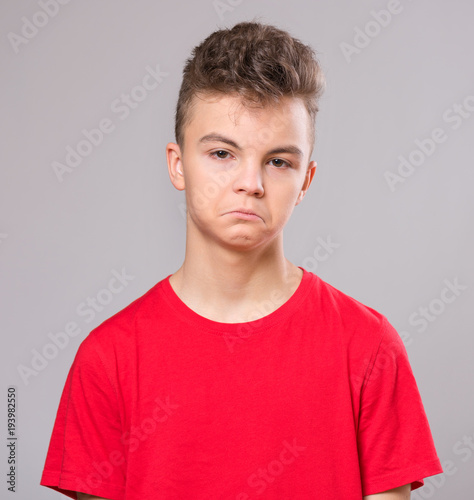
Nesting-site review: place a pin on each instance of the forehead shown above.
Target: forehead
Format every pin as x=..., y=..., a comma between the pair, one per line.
x=285, y=120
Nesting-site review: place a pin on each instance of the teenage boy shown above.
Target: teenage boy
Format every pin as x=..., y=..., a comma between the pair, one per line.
x=241, y=375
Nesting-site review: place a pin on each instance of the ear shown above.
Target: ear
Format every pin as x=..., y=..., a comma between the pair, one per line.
x=175, y=165
x=310, y=171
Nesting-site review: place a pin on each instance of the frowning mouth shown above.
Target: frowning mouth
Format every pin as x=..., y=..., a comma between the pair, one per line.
x=242, y=213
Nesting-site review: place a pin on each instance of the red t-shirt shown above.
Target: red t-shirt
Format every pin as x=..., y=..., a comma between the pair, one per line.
x=315, y=400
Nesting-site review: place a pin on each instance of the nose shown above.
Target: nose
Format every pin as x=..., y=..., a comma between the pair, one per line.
x=249, y=178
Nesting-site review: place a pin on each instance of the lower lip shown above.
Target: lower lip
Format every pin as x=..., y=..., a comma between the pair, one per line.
x=242, y=215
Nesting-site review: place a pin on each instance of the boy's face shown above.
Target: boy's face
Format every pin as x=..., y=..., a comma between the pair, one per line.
x=237, y=157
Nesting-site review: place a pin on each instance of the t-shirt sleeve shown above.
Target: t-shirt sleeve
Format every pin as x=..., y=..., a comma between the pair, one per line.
x=86, y=453
x=394, y=438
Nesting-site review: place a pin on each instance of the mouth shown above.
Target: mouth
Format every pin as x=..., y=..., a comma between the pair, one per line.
x=242, y=213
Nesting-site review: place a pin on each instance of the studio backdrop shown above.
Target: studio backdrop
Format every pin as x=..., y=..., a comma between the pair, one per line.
x=90, y=220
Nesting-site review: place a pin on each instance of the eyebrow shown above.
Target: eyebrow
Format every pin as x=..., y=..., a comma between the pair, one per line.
x=290, y=149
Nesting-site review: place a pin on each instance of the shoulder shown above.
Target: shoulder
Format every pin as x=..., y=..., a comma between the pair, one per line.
x=117, y=334
x=352, y=325
x=362, y=335
x=339, y=308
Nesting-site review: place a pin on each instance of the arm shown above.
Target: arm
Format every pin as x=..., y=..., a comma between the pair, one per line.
x=85, y=496
x=400, y=493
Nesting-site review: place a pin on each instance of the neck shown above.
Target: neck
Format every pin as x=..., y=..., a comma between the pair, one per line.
x=235, y=286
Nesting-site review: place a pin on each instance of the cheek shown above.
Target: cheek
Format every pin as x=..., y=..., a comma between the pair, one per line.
x=286, y=196
x=205, y=192
x=281, y=208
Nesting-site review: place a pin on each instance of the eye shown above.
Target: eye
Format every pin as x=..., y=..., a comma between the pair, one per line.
x=278, y=162
x=220, y=154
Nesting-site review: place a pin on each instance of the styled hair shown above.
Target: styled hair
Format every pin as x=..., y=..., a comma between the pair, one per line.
x=258, y=62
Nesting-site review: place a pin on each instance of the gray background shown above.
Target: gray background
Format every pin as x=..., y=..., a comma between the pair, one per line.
x=60, y=241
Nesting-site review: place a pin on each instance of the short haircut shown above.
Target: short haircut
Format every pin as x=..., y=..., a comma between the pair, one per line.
x=258, y=62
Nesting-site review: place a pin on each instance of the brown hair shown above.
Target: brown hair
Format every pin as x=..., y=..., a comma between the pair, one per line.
x=261, y=63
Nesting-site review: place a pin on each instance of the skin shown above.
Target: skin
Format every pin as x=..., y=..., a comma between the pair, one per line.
x=232, y=264
x=401, y=493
